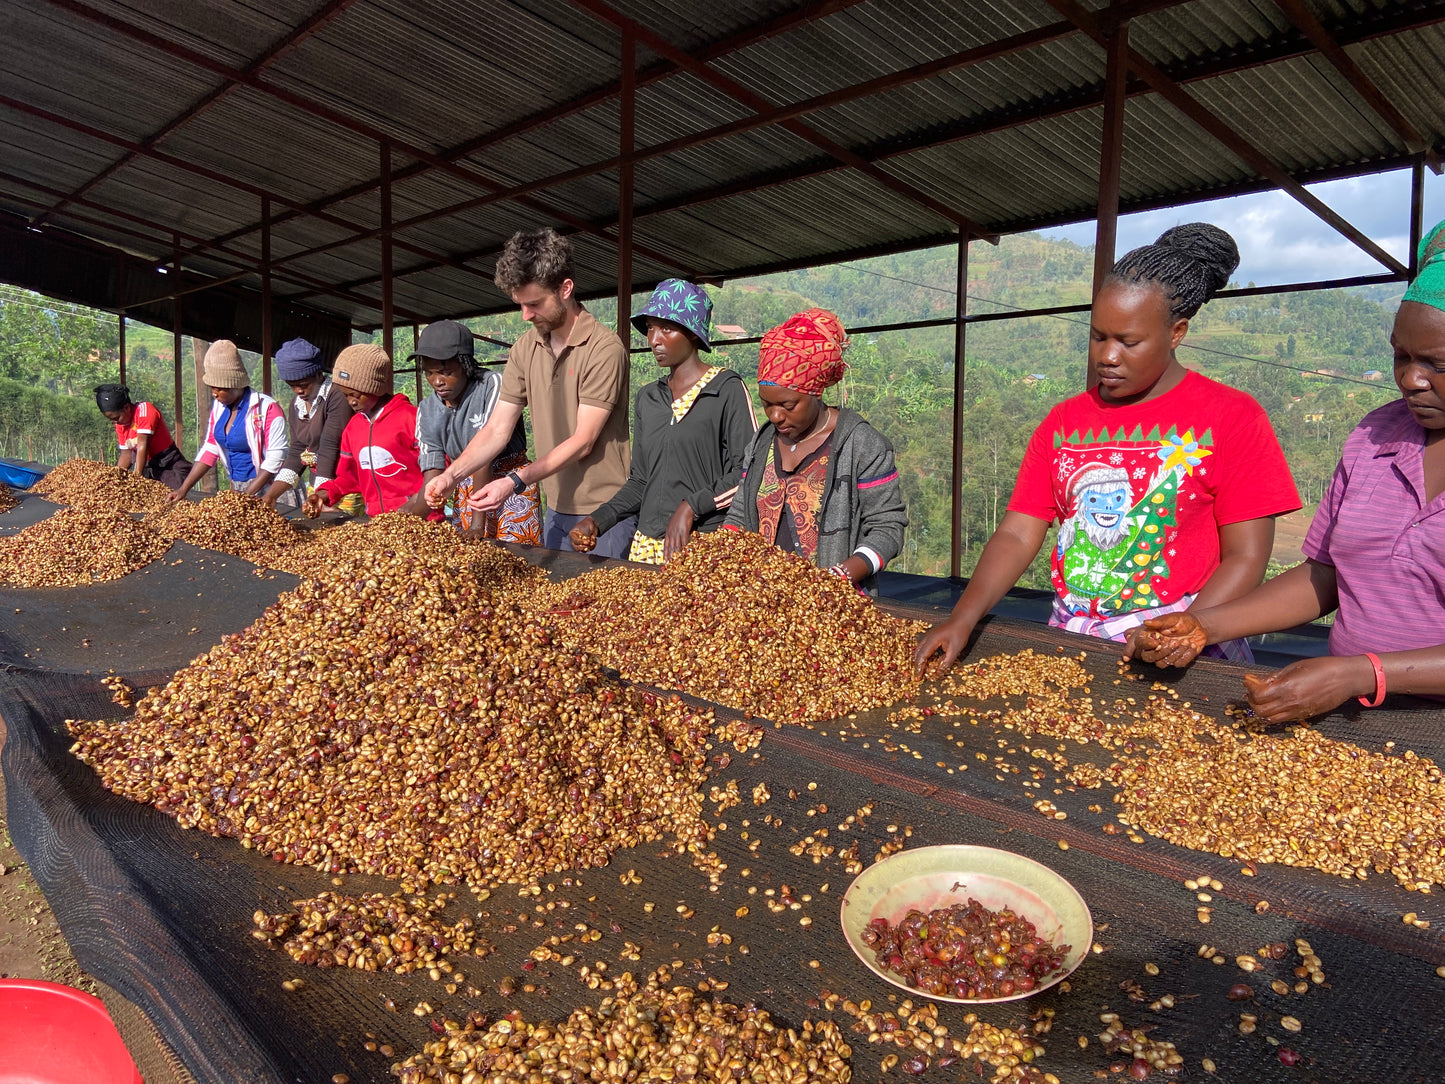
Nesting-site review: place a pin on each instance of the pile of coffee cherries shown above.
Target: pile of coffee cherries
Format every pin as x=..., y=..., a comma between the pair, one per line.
x=965, y=951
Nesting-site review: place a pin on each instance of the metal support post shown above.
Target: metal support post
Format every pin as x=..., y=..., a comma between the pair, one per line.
x=178, y=427
x=266, y=294
x=386, y=283
x=960, y=334
x=624, y=186
x=1417, y=214
x=1111, y=154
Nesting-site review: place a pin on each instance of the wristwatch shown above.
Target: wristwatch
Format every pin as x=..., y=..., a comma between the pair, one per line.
x=517, y=484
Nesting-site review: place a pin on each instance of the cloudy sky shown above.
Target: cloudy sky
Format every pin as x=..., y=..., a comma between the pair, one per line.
x=1280, y=241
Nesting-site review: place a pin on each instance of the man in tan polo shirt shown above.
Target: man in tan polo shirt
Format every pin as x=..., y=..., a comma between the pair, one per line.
x=573, y=373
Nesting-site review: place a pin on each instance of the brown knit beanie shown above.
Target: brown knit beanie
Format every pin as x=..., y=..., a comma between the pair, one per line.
x=365, y=367
x=222, y=366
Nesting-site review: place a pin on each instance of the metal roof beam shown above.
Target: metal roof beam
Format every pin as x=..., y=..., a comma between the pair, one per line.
x=1285, y=48
x=1223, y=134
x=140, y=150
x=331, y=116
x=215, y=177
x=733, y=89
x=766, y=118
x=1302, y=17
x=311, y=286
x=1081, y=214
x=288, y=42
x=653, y=73
x=995, y=121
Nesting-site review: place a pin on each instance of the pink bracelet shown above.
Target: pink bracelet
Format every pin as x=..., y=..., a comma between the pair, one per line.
x=1379, y=682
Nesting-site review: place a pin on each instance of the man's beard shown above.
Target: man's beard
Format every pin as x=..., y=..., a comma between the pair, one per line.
x=545, y=325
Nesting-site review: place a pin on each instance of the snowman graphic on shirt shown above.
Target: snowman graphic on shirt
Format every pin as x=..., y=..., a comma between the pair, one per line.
x=1111, y=555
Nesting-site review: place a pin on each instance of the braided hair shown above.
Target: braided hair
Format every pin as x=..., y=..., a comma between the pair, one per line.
x=1190, y=263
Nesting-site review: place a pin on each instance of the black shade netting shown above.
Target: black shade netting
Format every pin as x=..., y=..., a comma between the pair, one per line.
x=164, y=915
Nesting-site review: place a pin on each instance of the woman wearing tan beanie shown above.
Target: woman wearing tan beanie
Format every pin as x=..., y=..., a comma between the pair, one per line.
x=379, y=451
x=247, y=427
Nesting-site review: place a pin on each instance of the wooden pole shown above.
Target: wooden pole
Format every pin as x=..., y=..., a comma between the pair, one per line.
x=178, y=427
x=624, y=186
x=1417, y=213
x=416, y=338
x=203, y=406
x=121, y=291
x=1116, y=75
x=386, y=283
x=960, y=334
x=266, y=294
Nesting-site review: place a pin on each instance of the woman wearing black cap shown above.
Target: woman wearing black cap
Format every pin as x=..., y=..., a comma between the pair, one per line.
x=146, y=447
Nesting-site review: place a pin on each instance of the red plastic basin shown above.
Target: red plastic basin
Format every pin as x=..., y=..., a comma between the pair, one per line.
x=53, y=1034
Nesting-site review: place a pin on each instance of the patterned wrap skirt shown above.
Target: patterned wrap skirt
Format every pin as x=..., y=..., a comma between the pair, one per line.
x=518, y=520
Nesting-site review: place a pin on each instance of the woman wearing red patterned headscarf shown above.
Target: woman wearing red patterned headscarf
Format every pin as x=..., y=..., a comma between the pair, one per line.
x=818, y=480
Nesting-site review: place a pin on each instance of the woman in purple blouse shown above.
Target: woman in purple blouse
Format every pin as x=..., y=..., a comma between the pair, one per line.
x=1375, y=553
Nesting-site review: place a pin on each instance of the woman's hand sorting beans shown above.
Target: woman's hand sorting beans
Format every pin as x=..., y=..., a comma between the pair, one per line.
x=964, y=951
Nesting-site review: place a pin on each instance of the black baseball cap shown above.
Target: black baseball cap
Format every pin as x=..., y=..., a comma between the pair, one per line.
x=444, y=340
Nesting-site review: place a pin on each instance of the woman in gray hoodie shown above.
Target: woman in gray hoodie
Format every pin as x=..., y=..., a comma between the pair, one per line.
x=818, y=480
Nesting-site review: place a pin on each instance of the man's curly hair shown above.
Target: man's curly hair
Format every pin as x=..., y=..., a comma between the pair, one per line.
x=540, y=256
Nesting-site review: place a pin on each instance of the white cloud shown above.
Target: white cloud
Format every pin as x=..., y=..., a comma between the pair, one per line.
x=1281, y=241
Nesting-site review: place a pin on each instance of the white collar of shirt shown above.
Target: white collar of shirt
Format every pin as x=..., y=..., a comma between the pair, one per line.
x=304, y=409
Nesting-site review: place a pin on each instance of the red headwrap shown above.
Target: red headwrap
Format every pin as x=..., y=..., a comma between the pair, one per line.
x=805, y=353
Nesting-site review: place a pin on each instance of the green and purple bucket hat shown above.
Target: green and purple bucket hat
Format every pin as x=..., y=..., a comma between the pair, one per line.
x=683, y=303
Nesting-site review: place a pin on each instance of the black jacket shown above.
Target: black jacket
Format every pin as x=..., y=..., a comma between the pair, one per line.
x=698, y=460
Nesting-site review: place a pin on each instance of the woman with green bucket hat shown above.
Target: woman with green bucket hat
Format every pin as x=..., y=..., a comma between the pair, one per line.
x=689, y=429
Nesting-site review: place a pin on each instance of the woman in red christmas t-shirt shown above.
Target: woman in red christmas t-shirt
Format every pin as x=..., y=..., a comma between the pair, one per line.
x=1165, y=484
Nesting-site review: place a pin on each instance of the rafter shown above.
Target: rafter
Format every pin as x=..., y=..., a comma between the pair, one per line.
x=310, y=286
x=286, y=44
x=328, y=114
x=215, y=176
x=1297, y=12
x=1052, y=107
x=1286, y=47
x=1226, y=136
x=757, y=103
x=653, y=73
x=773, y=115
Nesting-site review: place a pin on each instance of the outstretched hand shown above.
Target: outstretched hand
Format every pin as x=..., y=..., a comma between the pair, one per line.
x=679, y=527
x=490, y=497
x=435, y=493
x=946, y=639
x=1169, y=640
x=1310, y=687
x=583, y=536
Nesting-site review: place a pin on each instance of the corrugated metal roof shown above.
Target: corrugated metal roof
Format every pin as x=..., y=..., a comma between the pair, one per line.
x=525, y=90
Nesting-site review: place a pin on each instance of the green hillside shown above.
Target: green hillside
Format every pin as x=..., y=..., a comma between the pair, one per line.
x=1317, y=361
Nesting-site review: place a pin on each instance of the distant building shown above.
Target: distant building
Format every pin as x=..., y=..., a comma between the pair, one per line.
x=1373, y=374
x=731, y=331
x=1033, y=378
x=1315, y=417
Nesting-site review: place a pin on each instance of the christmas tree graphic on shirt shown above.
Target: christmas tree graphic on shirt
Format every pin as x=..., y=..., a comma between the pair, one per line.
x=1113, y=549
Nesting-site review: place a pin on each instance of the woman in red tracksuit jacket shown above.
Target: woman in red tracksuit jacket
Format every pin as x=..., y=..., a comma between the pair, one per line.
x=379, y=452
